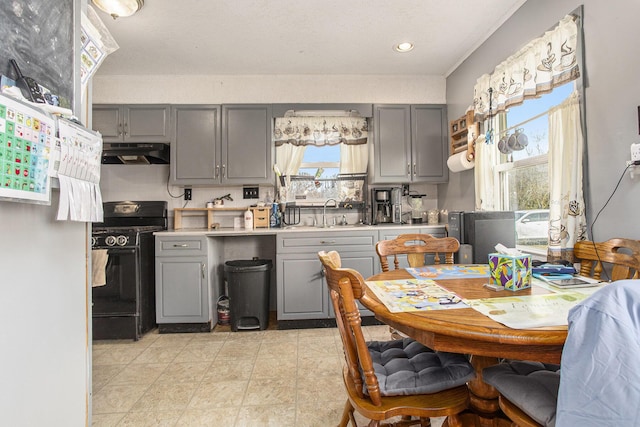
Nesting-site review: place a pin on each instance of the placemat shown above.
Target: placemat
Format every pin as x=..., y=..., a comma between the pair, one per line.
x=414, y=295
x=450, y=271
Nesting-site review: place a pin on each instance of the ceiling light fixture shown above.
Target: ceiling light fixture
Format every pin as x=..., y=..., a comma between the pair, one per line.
x=119, y=8
x=403, y=47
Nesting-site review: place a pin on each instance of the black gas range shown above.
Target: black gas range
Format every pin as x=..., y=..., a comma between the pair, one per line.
x=123, y=260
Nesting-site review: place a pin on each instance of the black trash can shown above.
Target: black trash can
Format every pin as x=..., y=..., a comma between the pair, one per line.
x=248, y=282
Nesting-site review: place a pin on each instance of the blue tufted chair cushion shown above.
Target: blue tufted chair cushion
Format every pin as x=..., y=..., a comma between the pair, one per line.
x=406, y=367
x=531, y=386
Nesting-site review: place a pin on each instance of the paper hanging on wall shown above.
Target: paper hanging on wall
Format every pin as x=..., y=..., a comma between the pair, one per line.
x=458, y=162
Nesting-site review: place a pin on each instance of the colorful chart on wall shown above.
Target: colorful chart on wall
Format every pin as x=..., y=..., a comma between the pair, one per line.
x=26, y=138
x=414, y=295
x=456, y=271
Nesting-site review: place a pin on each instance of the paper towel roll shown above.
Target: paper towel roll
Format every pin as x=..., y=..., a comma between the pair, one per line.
x=458, y=162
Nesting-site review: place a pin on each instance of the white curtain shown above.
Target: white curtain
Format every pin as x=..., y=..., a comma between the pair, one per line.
x=544, y=63
x=354, y=158
x=567, y=222
x=292, y=134
x=289, y=158
x=487, y=157
x=320, y=131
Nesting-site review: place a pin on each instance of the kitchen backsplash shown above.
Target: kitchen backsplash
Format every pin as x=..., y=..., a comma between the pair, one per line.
x=149, y=182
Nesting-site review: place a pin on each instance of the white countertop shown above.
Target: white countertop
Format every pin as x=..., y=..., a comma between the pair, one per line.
x=288, y=229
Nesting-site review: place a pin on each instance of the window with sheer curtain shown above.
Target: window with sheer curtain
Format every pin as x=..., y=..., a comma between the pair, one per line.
x=321, y=147
x=530, y=159
x=325, y=146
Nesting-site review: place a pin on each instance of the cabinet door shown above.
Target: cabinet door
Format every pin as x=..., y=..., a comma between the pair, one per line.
x=363, y=262
x=247, y=147
x=147, y=123
x=195, y=146
x=302, y=290
x=429, y=143
x=108, y=120
x=182, y=291
x=392, y=143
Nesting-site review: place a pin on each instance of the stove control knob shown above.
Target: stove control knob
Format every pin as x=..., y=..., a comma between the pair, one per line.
x=110, y=240
x=94, y=241
x=122, y=240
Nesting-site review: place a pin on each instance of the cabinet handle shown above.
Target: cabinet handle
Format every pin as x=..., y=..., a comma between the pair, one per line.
x=119, y=129
x=327, y=242
x=408, y=169
x=125, y=128
x=184, y=245
x=414, y=169
x=217, y=171
x=203, y=275
x=224, y=170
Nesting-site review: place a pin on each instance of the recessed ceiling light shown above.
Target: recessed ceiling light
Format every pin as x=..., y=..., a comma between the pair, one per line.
x=403, y=47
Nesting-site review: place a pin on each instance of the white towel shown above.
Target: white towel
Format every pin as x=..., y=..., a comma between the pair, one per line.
x=99, y=258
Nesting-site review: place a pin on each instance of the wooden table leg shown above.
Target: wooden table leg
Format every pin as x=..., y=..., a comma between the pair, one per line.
x=484, y=410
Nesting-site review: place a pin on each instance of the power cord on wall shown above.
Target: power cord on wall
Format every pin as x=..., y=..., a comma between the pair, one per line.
x=169, y=192
x=600, y=211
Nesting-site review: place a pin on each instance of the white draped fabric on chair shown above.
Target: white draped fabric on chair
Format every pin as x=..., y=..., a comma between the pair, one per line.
x=567, y=221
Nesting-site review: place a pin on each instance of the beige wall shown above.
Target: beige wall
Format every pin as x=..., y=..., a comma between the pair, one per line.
x=269, y=89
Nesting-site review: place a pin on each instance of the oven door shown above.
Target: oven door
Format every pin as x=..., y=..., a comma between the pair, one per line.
x=121, y=294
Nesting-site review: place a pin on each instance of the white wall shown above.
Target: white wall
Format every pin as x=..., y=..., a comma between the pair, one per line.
x=612, y=95
x=43, y=313
x=268, y=89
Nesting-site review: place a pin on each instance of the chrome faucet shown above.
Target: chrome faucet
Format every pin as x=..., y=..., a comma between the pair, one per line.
x=324, y=211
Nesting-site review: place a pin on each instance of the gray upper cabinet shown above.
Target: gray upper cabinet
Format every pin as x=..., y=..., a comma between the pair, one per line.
x=195, y=148
x=247, y=147
x=132, y=123
x=229, y=144
x=410, y=143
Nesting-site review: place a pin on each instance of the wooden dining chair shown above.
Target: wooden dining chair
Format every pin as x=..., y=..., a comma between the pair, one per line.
x=415, y=246
x=397, y=378
x=621, y=256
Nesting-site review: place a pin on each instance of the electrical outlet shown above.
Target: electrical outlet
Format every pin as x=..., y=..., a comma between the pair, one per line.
x=187, y=194
x=635, y=152
x=249, y=192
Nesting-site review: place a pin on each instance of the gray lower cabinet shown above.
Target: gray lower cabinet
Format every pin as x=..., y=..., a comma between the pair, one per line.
x=302, y=292
x=410, y=144
x=435, y=231
x=132, y=123
x=228, y=144
x=184, y=291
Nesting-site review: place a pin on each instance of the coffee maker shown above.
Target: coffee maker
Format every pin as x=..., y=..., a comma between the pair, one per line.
x=381, y=208
x=396, y=205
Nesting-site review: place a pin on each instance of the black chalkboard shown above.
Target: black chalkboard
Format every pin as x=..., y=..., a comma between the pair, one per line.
x=38, y=34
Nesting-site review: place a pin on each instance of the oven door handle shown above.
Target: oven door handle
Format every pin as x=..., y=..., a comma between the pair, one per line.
x=121, y=251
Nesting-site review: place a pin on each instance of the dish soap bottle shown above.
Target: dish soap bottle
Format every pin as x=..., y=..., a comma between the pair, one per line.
x=248, y=219
x=274, y=221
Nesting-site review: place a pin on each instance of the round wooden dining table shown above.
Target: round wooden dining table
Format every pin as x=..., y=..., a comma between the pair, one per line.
x=470, y=332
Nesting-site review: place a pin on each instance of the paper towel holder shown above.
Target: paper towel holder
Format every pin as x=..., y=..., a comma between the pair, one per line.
x=464, y=132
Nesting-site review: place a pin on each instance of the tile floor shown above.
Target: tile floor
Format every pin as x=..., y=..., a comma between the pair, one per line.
x=250, y=378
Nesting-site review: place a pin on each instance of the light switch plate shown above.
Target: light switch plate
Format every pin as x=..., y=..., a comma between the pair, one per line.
x=250, y=192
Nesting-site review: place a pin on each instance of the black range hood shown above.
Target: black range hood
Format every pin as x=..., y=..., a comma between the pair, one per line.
x=142, y=153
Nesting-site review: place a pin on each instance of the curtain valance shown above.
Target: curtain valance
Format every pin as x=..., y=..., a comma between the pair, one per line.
x=544, y=63
x=320, y=131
